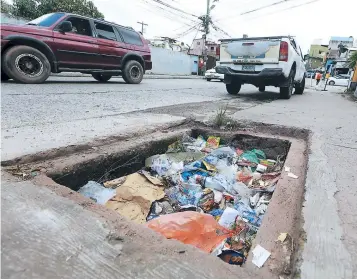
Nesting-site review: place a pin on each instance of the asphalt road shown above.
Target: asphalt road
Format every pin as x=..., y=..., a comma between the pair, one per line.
x=71, y=110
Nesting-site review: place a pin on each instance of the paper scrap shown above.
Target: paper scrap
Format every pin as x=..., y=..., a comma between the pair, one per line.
x=282, y=237
x=287, y=169
x=228, y=217
x=260, y=256
x=292, y=175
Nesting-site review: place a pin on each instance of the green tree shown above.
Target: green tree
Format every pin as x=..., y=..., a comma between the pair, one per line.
x=34, y=8
x=6, y=7
x=352, y=61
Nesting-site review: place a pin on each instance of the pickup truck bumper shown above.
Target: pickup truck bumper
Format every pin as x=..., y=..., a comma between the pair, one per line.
x=266, y=77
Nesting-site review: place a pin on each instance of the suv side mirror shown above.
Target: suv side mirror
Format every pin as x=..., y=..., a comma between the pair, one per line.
x=65, y=26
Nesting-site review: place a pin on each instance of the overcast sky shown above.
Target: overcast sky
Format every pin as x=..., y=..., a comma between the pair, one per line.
x=319, y=19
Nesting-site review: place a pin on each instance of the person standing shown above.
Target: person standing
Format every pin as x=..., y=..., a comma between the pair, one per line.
x=318, y=77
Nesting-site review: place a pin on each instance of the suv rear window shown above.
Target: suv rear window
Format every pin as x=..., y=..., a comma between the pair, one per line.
x=105, y=31
x=130, y=37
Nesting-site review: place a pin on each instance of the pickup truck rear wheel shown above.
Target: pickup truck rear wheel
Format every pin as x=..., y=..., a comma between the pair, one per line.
x=299, y=88
x=287, y=91
x=101, y=77
x=262, y=88
x=233, y=88
x=133, y=72
x=26, y=65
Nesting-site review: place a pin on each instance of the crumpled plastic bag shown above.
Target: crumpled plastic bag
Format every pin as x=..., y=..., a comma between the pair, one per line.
x=193, y=228
x=96, y=192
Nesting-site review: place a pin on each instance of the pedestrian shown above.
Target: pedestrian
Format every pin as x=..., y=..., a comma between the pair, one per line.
x=318, y=77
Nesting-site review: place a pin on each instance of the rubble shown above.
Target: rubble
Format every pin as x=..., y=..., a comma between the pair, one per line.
x=202, y=193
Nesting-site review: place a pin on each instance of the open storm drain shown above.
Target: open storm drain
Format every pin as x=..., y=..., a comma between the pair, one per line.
x=208, y=190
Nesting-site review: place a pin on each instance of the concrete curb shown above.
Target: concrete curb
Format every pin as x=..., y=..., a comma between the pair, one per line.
x=147, y=76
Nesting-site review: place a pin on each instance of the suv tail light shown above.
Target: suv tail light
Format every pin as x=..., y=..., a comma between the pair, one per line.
x=284, y=51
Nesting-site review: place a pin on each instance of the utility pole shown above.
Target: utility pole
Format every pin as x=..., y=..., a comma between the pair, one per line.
x=142, y=26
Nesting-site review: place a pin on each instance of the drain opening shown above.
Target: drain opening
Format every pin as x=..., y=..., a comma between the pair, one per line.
x=231, y=238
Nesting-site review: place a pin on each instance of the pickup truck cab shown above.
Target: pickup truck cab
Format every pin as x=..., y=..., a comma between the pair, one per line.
x=262, y=61
x=63, y=42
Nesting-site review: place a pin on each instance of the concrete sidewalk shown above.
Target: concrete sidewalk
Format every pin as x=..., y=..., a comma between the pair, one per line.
x=330, y=208
x=146, y=76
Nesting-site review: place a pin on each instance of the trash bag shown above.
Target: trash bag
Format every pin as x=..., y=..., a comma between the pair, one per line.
x=97, y=192
x=193, y=228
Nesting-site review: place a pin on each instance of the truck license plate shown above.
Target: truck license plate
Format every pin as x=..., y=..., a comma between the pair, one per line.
x=250, y=68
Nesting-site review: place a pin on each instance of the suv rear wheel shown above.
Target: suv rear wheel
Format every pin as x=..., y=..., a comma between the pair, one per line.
x=26, y=65
x=133, y=72
x=262, y=88
x=101, y=77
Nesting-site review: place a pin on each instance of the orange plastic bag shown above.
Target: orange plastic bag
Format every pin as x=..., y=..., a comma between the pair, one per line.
x=199, y=230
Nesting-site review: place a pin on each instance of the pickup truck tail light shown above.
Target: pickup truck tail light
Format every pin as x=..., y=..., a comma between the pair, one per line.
x=284, y=51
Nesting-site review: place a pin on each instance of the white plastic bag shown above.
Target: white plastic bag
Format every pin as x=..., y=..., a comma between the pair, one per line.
x=97, y=192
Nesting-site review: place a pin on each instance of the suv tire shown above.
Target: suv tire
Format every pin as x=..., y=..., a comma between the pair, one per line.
x=262, y=88
x=26, y=65
x=208, y=79
x=133, y=72
x=286, y=92
x=299, y=88
x=233, y=88
x=101, y=77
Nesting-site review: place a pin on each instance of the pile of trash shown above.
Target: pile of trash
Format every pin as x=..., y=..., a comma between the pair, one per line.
x=199, y=192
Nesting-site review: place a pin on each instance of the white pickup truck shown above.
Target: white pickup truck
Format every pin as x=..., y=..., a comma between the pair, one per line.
x=262, y=61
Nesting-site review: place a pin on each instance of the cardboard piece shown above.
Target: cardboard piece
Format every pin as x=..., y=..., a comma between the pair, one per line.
x=134, y=198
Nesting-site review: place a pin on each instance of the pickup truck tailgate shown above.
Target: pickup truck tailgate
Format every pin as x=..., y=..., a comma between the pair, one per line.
x=250, y=51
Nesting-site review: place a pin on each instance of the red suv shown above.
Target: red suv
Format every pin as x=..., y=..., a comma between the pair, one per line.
x=62, y=42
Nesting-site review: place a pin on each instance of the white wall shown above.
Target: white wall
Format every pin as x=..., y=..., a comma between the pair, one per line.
x=170, y=62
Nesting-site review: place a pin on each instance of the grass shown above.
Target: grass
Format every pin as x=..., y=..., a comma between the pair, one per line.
x=222, y=120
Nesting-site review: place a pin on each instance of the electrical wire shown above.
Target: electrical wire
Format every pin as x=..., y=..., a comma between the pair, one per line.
x=174, y=8
x=256, y=9
x=167, y=13
x=279, y=11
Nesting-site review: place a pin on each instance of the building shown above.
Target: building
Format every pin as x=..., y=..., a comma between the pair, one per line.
x=212, y=48
x=197, y=47
x=317, y=56
x=335, y=45
x=169, y=44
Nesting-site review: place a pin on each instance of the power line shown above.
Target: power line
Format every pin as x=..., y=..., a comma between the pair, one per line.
x=255, y=10
x=174, y=8
x=289, y=8
x=168, y=13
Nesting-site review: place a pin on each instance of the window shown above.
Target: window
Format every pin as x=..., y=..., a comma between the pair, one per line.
x=80, y=26
x=198, y=43
x=212, y=48
x=46, y=20
x=130, y=36
x=105, y=31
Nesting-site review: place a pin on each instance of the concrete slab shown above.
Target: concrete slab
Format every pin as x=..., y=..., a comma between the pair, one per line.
x=26, y=140
x=331, y=192
x=44, y=235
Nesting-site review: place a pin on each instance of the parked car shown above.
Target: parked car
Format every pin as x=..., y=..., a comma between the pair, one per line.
x=211, y=74
x=339, y=80
x=262, y=61
x=310, y=74
x=63, y=42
